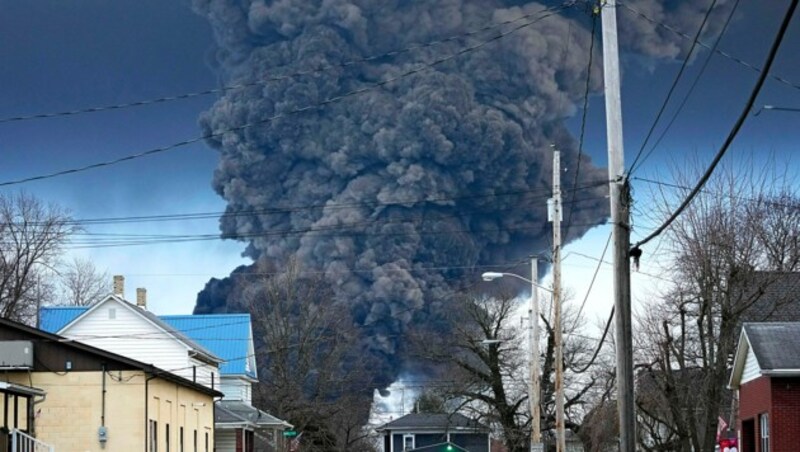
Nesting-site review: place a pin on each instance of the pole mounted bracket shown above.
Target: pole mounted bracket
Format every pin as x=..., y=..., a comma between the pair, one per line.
x=635, y=253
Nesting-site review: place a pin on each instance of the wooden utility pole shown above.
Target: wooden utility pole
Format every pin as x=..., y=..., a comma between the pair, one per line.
x=534, y=390
x=557, y=333
x=620, y=220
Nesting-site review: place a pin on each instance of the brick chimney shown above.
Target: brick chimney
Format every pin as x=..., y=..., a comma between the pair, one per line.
x=119, y=285
x=141, y=297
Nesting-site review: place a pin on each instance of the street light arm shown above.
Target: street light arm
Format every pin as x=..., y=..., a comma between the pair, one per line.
x=491, y=276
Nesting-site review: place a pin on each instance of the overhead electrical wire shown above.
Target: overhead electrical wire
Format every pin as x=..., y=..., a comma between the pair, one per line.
x=734, y=131
x=322, y=233
x=591, y=283
x=766, y=201
x=725, y=54
x=689, y=92
x=306, y=207
x=675, y=81
x=583, y=119
x=331, y=100
x=279, y=78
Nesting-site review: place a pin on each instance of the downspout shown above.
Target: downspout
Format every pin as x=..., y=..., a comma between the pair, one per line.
x=102, y=434
x=103, y=404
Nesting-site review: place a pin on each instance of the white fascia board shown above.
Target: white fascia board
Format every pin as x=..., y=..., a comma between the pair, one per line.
x=739, y=360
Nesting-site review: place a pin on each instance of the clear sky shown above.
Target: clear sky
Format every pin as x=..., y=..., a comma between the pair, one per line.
x=67, y=55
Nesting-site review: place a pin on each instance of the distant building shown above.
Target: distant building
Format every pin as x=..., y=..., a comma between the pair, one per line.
x=434, y=433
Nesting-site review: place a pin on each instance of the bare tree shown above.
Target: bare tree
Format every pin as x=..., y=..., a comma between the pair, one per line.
x=485, y=357
x=725, y=252
x=314, y=371
x=31, y=238
x=81, y=283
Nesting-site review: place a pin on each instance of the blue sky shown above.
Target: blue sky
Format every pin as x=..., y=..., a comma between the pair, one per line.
x=65, y=55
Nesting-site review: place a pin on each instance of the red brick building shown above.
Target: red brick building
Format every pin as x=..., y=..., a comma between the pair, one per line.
x=766, y=373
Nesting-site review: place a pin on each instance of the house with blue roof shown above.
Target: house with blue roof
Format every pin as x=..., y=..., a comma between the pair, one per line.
x=216, y=350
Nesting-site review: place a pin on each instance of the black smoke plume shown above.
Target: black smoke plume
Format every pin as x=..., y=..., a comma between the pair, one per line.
x=402, y=194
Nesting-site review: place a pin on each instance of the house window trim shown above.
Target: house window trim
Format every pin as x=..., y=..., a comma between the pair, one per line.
x=763, y=432
x=413, y=441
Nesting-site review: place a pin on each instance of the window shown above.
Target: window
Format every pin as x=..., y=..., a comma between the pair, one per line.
x=206, y=441
x=408, y=442
x=153, y=436
x=112, y=313
x=180, y=440
x=166, y=437
x=763, y=424
x=195, y=440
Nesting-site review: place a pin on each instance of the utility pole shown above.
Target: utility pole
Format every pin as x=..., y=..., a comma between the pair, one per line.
x=558, y=338
x=620, y=220
x=534, y=390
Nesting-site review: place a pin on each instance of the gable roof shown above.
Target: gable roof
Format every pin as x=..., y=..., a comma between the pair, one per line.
x=776, y=346
x=224, y=335
x=229, y=336
x=235, y=412
x=433, y=421
x=200, y=351
x=53, y=318
x=440, y=446
x=105, y=354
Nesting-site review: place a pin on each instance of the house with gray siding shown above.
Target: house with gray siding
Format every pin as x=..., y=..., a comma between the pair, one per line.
x=423, y=432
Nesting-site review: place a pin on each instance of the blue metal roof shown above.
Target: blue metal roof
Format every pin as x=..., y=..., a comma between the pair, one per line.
x=225, y=335
x=53, y=318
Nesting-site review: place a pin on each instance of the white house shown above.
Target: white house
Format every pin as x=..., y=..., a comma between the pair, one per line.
x=216, y=350
x=116, y=325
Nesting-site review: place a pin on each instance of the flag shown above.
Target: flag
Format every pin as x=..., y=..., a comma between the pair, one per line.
x=721, y=426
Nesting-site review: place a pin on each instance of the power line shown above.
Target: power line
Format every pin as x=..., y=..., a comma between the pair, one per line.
x=734, y=131
x=664, y=104
x=301, y=208
x=691, y=88
x=708, y=47
x=367, y=88
x=583, y=119
x=322, y=233
x=599, y=345
x=766, y=201
x=278, y=78
x=591, y=283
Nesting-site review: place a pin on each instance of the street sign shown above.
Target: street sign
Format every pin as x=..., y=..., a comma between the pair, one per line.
x=289, y=433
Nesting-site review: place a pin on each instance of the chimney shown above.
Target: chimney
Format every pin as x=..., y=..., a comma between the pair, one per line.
x=141, y=297
x=119, y=285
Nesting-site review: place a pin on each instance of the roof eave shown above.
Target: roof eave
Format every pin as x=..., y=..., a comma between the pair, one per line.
x=781, y=372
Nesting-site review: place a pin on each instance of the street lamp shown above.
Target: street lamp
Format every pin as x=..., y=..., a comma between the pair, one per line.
x=533, y=341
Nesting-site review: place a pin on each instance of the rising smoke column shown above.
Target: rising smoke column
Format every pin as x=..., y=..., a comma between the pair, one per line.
x=425, y=178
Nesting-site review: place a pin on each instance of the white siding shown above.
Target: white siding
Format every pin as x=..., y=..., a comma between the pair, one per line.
x=204, y=373
x=113, y=327
x=236, y=388
x=129, y=335
x=224, y=440
x=751, y=369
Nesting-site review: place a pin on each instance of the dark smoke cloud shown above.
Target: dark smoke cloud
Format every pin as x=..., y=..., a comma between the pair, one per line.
x=447, y=169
